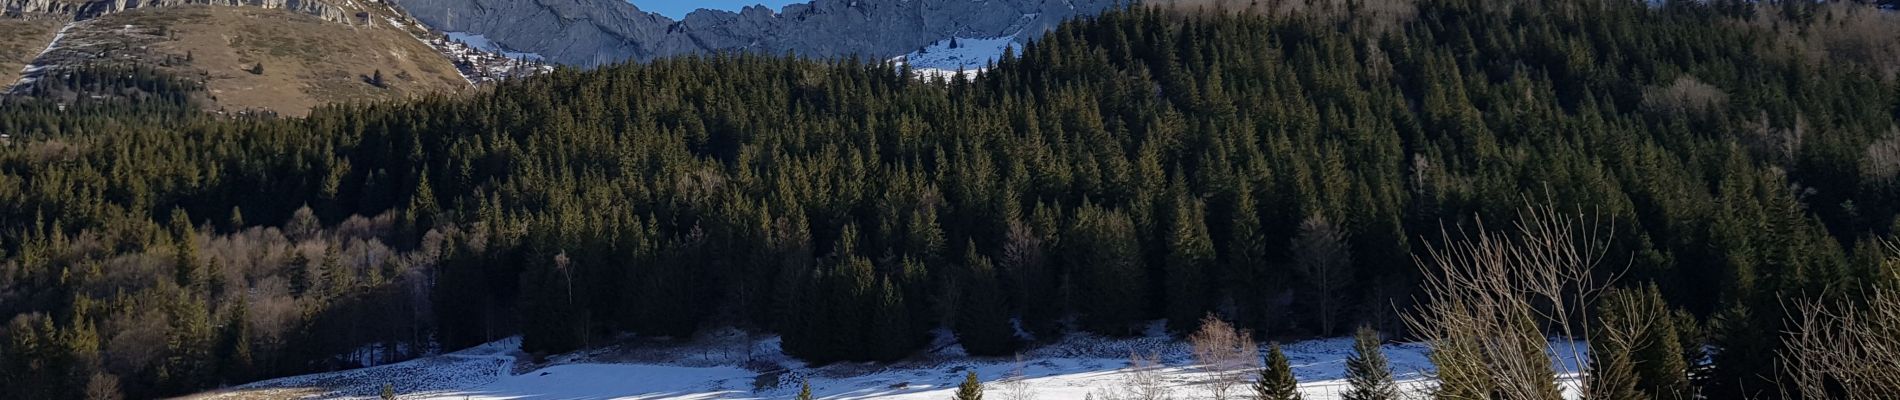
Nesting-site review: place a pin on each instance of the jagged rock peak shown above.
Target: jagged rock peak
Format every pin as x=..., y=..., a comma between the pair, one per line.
x=595, y=32
x=95, y=8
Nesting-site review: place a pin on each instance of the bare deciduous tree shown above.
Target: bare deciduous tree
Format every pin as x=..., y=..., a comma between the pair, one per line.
x=1229, y=356
x=1847, y=351
x=1685, y=95
x=1493, y=297
x=1144, y=381
x=102, y=387
x=1016, y=386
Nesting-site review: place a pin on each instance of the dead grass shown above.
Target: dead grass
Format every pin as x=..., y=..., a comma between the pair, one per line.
x=256, y=394
x=20, y=40
x=306, y=61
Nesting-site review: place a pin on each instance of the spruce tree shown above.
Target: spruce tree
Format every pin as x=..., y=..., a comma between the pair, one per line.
x=27, y=357
x=982, y=324
x=1189, y=259
x=890, y=336
x=1637, y=352
x=1367, y=369
x=971, y=388
x=1276, y=380
x=188, y=271
x=234, y=349
x=804, y=390
x=236, y=220
x=1612, y=373
x=1459, y=369
x=1246, y=259
x=1530, y=350
x=1110, y=281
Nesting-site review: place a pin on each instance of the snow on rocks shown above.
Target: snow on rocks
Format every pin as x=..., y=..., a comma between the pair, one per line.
x=33, y=70
x=482, y=42
x=473, y=56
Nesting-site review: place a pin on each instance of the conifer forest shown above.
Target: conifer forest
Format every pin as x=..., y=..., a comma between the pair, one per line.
x=1710, y=189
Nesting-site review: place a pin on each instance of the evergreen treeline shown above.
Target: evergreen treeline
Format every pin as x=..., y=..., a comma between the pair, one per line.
x=1281, y=171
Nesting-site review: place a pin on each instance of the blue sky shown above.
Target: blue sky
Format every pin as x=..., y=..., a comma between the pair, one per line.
x=677, y=9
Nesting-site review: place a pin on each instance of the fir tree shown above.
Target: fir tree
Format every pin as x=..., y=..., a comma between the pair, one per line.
x=1110, y=281
x=971, y=388
x=982, y=325
x=188, y=271
x=1637, y=352
x=1367, y=369
x=236, y=221
x=1459, y=369
x=1276, y=380
x=1190, y=257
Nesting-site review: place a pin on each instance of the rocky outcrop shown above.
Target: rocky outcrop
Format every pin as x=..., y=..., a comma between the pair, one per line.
x=88, y=9
x=595, y=32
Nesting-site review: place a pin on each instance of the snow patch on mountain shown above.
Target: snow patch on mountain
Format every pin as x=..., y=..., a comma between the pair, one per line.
x=482, y=42
x=946, y=57
x=33, y=70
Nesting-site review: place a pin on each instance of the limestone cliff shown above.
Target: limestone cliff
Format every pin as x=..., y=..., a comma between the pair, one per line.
x=595, y=32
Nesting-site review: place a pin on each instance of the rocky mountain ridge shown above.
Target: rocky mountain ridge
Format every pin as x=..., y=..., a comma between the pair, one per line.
x=596, y=32
x=89, y=9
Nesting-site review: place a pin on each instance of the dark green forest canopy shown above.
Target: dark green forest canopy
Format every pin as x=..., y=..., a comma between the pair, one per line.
x=1136, y=165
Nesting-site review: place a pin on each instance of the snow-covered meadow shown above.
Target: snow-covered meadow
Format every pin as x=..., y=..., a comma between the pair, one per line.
x=730, y=365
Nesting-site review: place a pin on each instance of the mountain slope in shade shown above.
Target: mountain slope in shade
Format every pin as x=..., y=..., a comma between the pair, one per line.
x=596, y=32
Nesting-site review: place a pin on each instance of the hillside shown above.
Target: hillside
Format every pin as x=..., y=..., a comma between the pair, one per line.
x=1710, y=188
x=21, y=40
x=283, y=57
x=305, y=61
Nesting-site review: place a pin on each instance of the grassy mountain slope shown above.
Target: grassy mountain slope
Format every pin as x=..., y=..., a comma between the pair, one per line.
x=305, y=60
x=20, y=40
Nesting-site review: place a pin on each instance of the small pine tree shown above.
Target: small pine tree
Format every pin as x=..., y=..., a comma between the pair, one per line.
x=1367, y=369
x=1276, y=380
x=804, y=390
x=971, y=389
x=376, y=80
x=257, y=69
x=389, y=392
x=1459, y=370
x=236, y=220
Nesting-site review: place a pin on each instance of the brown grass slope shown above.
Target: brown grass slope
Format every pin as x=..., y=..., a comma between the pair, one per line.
x=20, y=40
x=305, y=61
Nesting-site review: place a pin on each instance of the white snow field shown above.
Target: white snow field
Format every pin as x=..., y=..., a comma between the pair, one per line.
x=970, y=55
x=730, y=365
